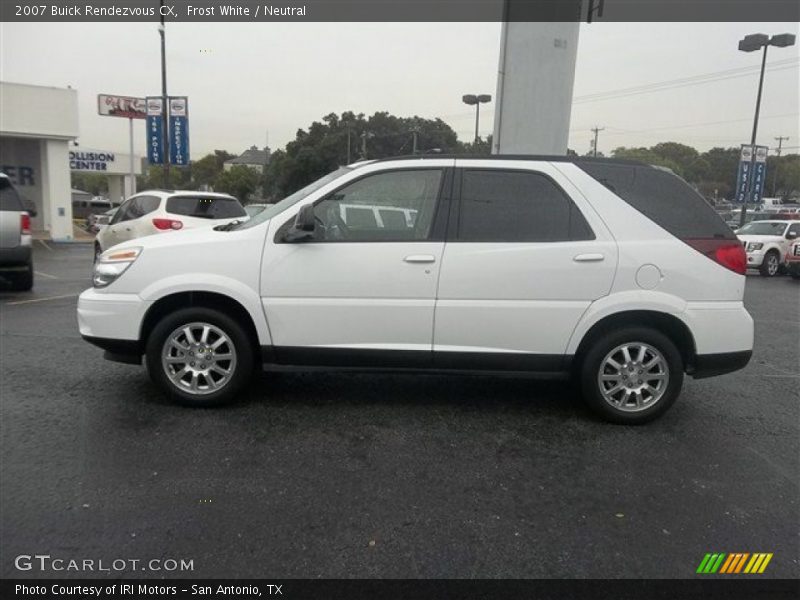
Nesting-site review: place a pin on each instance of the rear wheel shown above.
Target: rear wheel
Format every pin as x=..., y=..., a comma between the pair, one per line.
x=200, y=356
x=771, y=264
x=632, y=375
x=22, y=281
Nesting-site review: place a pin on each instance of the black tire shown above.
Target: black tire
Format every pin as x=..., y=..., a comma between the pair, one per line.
x=22, y=281
x=771, y=264
x=595, y=356
x=242, y=368
x=794, y=273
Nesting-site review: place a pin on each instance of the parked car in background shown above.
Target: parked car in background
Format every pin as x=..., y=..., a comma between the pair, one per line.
x=94, y=223
x=16, y=258
x=613, y=272
x=766, y=244
x=162, y=211
x=792, y=260
x=83, y=208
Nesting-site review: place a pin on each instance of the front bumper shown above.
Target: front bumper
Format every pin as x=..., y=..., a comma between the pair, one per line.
x=754, y=259
x=112, y=322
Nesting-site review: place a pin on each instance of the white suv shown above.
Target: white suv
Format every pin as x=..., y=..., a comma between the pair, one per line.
x=160, y=211
x=614, y=272
x=767, y=243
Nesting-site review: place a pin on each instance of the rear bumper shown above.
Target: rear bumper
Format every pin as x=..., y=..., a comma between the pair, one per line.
x=12, y=258
x=711, y=365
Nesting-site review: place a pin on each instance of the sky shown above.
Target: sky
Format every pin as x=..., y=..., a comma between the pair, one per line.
x=249, y=83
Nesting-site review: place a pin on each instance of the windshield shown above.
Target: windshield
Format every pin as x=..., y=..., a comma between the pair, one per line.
x=292, y=199
x=762, y=228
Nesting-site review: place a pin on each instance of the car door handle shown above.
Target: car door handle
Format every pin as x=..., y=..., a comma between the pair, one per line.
x=592, y=257
x=420, y=258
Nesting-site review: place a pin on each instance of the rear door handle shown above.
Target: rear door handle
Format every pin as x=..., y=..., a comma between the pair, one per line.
x=592, y=257
x=420, y=258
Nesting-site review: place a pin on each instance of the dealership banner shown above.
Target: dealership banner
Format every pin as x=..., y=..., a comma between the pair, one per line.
x=179, y=131
x=743, y=174
x=121, y=106
x=155, y=128
x=759, y=175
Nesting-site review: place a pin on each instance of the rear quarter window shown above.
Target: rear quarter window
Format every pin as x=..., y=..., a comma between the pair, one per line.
x=662, y=197
x=205, y=207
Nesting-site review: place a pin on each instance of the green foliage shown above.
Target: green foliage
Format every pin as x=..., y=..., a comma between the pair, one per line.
x=94, y=183
x=324, y=146
x=240, y=181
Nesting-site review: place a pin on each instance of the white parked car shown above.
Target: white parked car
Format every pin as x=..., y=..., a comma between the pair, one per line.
x=160, y=211
x=767, y=242
x=615, y=273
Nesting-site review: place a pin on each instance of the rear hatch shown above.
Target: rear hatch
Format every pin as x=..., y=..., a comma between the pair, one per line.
x=200, y=210
x=10, y=214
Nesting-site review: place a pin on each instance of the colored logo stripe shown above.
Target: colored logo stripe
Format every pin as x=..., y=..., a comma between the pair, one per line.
x=734, y=562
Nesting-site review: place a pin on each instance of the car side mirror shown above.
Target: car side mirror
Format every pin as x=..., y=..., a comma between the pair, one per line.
x=791, y=235
x=304, y=226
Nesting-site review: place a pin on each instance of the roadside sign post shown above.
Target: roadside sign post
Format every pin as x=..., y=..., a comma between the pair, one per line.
x=179, y=131
x=750, y=176
x=130, y=107
x=155, y=134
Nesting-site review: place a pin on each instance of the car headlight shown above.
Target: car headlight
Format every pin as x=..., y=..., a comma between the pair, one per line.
x=754, y=246
x=112, y=264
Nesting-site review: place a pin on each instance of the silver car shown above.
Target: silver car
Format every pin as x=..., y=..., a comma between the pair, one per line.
x=16, y=261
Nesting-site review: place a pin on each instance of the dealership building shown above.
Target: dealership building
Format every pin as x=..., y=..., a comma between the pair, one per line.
x=38, y=150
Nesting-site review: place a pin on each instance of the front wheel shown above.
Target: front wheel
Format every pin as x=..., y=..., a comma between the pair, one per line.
x=771, y=264
x=200, y=356
x=632, y=376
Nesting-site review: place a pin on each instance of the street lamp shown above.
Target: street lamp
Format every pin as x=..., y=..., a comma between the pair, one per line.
x=752, y=43
x=477, y=100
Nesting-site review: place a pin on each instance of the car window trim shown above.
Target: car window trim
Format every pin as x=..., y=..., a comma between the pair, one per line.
x=438, y=227
x=454, y=225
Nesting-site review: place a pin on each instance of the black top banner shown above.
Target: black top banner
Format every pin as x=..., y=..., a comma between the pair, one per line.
x=401, y=10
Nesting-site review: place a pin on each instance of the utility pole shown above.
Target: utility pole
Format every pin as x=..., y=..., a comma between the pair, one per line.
x=164, y=100
x=596, y=131
x=780, y=140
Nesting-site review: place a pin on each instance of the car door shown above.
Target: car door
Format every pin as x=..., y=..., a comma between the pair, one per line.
x=363, y=290
x=792, y=233
x=525, y=257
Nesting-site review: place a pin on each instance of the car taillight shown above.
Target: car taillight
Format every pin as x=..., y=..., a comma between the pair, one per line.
x=25, y=224
x=165, y=224
x=728, y=253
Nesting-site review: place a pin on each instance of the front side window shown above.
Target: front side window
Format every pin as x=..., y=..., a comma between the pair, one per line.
x=122, y=213
x=378, y=208
x=763, y=228
x=517, y=206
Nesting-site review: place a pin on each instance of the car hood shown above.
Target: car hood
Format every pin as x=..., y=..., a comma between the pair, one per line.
x=184, y=237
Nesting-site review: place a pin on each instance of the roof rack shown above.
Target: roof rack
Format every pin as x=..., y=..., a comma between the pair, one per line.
x=538, y=157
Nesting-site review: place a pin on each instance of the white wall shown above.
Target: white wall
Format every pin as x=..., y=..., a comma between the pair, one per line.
x=38, y=111
x=534, y=88
x=56, y=194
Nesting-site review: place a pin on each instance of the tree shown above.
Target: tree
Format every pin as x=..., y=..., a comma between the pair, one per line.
x=94, y=183
x=645, y=155
x=324, y=146
x=206, y=170
x=240, y=181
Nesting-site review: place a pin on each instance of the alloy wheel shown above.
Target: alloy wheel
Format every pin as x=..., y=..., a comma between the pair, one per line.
x=199, y=358
x=633, y=376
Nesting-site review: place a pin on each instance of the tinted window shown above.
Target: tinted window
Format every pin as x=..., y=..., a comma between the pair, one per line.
x=9, y=200
x=123, y=212
x=205, y=207
x=358, y=212
x=661, y=196
x=517, y=206
x=144, y=205
x=794, y=228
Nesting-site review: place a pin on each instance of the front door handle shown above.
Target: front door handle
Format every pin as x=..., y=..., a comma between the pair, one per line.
x=420, y=258
x=592, y=257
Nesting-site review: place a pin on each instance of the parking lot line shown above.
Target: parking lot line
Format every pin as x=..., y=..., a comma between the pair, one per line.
x=40, y=274
x=41, y=299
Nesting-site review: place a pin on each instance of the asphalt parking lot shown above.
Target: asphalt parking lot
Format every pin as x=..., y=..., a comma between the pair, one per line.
x=334, y=475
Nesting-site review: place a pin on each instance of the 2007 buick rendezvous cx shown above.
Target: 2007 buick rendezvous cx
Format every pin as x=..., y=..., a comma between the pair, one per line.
x=614, y=272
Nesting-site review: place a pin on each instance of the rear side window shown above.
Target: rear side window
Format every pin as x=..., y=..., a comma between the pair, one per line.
x=662, y=197
x=517, y=206
x=205, y=207
x=9, y=199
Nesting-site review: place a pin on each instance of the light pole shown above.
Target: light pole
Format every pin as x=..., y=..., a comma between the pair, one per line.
x=164, y=100
x=477, y=100
x=752, y=43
